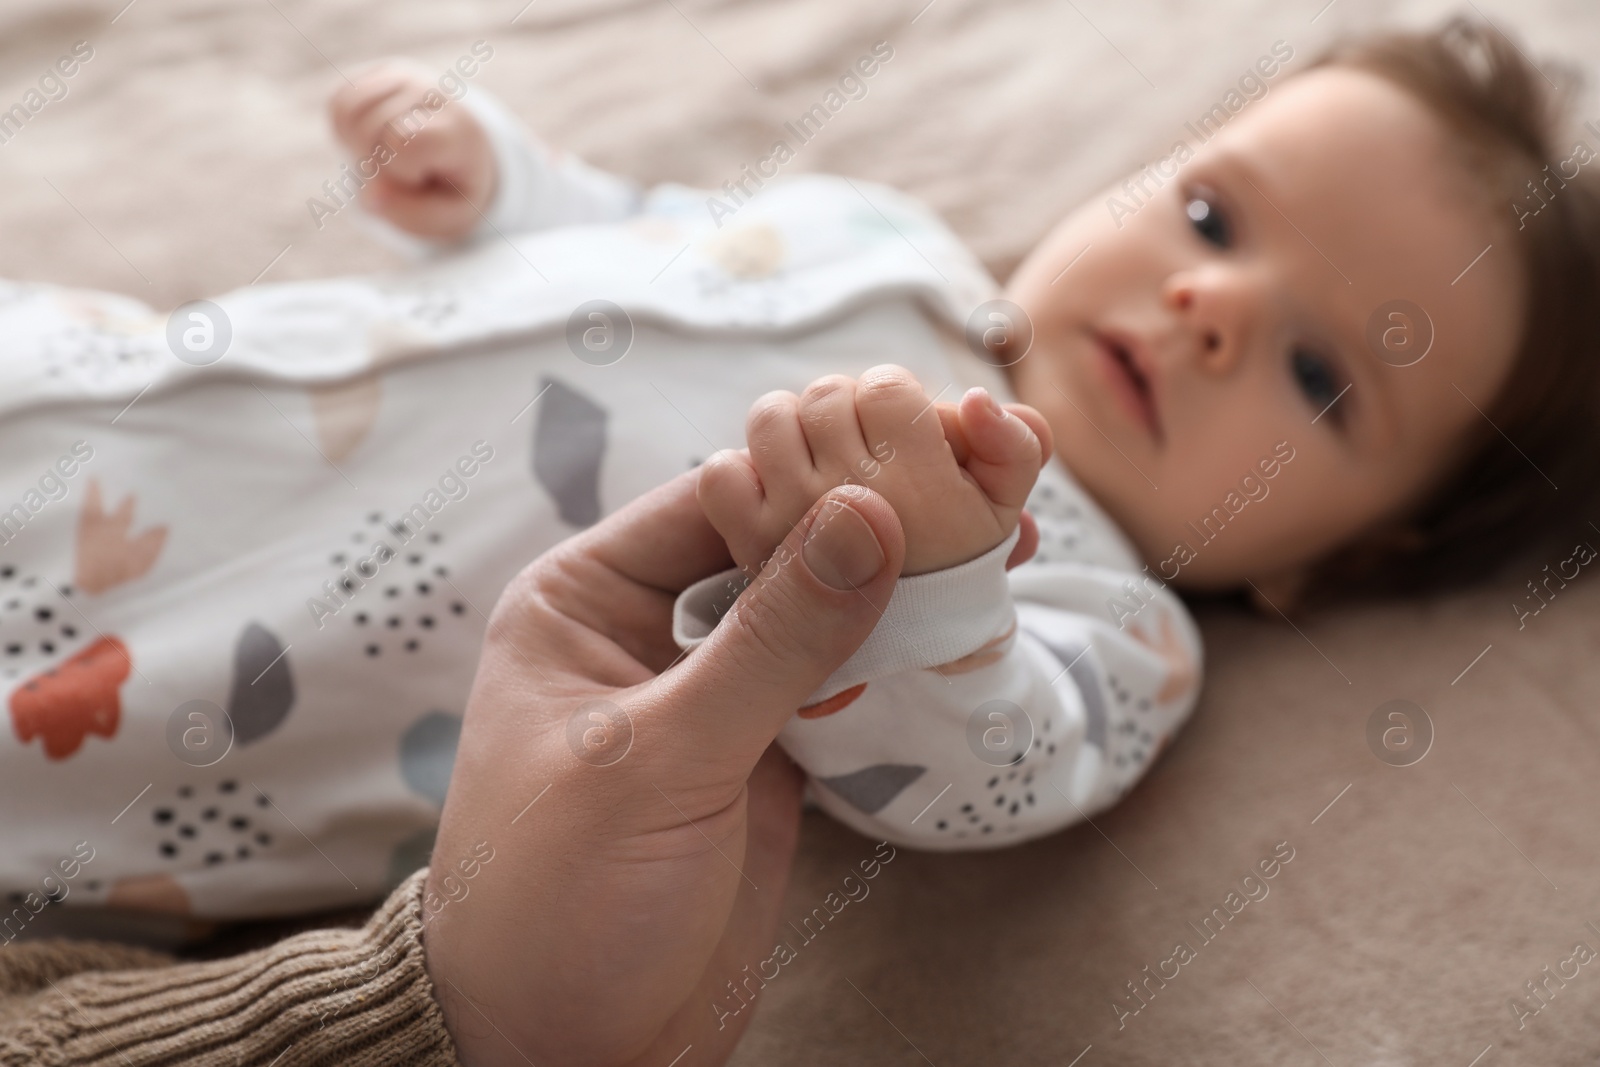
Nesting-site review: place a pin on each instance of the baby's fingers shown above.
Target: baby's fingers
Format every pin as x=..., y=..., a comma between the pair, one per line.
x=360, y=108
x=350, y=108
x=731, y=495
x=432, y=148
x=1007, y=446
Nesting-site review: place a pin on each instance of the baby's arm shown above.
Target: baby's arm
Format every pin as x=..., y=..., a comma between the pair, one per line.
x=1045, y=724
x=1029, y=696
x=461, y=168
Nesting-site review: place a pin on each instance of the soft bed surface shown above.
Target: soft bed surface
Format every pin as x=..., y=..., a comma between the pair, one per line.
x=1415, y=908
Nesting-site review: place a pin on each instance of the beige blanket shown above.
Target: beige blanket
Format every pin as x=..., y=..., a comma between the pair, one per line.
x=1418, y=901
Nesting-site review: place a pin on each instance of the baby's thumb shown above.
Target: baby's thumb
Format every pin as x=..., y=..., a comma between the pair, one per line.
x=801, y=617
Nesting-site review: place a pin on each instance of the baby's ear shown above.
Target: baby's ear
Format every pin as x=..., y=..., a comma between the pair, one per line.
x=1272, y=594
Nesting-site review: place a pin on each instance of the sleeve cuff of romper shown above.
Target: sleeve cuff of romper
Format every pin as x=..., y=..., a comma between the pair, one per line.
x=932, y=618
x=514, y=175
x=357, y=997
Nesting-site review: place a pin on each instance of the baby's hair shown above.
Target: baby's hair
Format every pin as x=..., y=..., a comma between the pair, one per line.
x=1496, y=500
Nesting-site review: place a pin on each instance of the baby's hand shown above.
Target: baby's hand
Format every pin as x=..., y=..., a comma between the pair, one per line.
x=956, y=474
x=435, y=169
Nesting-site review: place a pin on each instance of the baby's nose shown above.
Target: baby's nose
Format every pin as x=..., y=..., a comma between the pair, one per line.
x=1208, y=330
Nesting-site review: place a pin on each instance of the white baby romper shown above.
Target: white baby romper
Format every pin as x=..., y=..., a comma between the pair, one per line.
x=241, y=599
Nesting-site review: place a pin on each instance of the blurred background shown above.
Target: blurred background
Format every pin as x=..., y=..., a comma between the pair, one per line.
x=180, y=161
x=1422, y=902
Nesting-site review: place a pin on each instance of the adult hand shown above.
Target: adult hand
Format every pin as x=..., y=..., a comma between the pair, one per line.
x=618, y=898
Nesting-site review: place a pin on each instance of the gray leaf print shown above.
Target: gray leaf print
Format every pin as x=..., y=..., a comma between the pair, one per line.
x=569, y=442
x=263, y=688
x=428, y=753
x=871, y=788
x=1083, y=676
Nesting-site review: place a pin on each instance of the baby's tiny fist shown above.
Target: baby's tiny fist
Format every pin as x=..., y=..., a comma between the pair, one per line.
x=428, y=170
x=957, y=480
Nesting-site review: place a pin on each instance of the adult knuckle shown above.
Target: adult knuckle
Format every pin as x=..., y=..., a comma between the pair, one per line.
x=762, y=618
x=526, y=600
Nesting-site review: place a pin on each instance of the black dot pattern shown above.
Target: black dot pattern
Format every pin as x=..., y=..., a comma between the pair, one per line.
x=431, y=305
x=1060, y=520
x=38, y=625
x=1065, y=535
x=394, y=611
x=86, y=352
x=205, y=825
x=1011, y=790
x=1138, y=736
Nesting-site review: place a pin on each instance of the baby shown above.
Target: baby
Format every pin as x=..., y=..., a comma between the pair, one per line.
x=242, y=590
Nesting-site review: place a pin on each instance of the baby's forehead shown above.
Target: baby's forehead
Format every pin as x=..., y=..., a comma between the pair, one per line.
x=1362, y=199
x=1361, y=161
x=1370, y=183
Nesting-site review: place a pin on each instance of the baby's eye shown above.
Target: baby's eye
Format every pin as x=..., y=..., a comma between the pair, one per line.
x=1315, y=377
x=1208, y=220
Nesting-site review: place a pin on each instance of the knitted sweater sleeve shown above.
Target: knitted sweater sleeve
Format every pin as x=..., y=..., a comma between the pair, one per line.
x=357, y=997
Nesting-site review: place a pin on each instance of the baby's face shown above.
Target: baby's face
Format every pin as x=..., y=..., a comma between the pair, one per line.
x=1243, y=288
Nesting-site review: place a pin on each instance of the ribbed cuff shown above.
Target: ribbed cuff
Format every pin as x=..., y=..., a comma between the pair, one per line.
x=932, y=618
x=357, y=997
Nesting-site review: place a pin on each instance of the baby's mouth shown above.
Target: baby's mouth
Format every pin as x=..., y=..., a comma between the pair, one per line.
x=1123, y=361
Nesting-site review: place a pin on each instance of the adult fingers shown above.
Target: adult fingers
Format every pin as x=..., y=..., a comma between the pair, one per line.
x=661, y=540
x=808, y=610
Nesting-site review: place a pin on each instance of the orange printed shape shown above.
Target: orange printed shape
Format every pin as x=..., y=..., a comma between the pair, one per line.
x=838, y=702
x=107, y=556
x=67, y=703
x=344, y=414
x=748, y=253
x=990, y=653
x=1181, y=671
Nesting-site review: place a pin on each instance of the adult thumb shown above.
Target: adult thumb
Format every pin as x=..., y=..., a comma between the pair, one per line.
x=811, y=606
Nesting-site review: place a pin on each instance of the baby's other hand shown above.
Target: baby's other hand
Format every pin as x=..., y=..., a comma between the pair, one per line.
x=956, y=474
x=435, y=169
